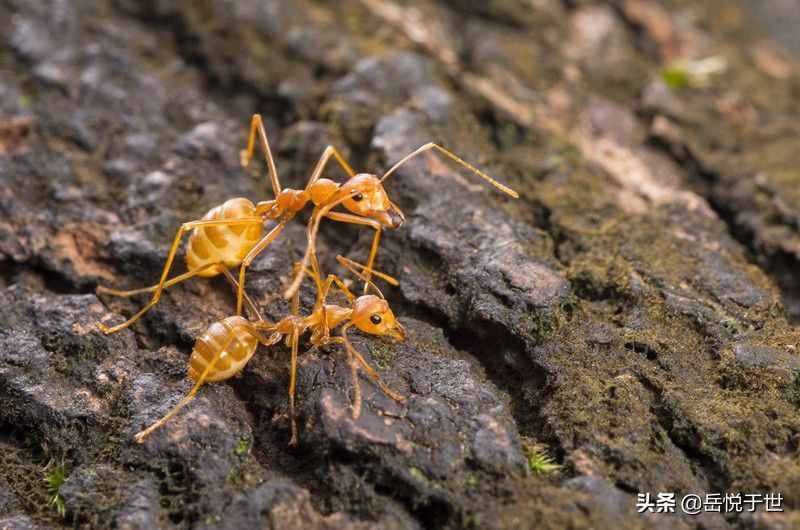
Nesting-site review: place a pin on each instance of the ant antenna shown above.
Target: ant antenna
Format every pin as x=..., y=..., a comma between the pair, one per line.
x=452, y=156
x=354, y=267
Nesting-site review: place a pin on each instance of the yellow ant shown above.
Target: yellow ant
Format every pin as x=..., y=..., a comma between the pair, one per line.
x=229, y=235
x=227, y=345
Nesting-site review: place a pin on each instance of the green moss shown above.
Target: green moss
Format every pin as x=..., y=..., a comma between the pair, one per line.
x=244, y=476
x=472, y=520
x=382, y=354
x=792, y=392
x=539, y=461
x=418, y=474
x=676, y=77
x=55, y=476
x=242, y=447
x=22, y=467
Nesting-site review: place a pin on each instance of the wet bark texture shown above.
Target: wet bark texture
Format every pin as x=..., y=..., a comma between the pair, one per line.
x=634, y=313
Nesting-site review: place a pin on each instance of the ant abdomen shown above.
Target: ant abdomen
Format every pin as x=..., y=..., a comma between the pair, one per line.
x=231, y=340
x=223, y=244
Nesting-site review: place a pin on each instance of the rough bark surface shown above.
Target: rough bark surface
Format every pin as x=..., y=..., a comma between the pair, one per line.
x=634, y=313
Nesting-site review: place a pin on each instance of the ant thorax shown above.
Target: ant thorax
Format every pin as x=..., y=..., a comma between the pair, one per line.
x=322, y=190
x=335, y=314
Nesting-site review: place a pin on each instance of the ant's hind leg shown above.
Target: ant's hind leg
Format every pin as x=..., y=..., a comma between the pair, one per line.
x=185, y=227
x=169, y=283
x=141, y=435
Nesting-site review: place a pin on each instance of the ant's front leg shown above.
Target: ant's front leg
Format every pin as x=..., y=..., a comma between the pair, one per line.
x=353, y=374
x=293, y=384
x=375, y=376
x=329, y=152
x=373, y=251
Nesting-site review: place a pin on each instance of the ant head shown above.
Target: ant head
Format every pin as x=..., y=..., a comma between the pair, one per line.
x=368, y=198
x=372, y=315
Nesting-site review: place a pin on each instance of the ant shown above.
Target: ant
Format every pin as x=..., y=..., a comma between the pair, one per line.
x=369, y=201
x=230, y=234
x=227, y=345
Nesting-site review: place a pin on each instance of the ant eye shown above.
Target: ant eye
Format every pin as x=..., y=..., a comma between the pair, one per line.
x=357, y=197
x=375, y=319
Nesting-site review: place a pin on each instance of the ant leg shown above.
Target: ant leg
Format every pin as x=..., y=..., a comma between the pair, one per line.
x=369, y=370
x=354, y=267
x=377, y=378
x=333, y=279
x=323, y=332
x=322, y=287
x=311, y=232
x=329, y=152
x=452, y=156
x=357, y=220
x=267, y=326
x=294, y=306
x=293, y=384
x=356, y=385
x=185, y=227
x=169, y=283
x=253, y=327
x=140, y=436
x=250, y=305
x=245, y=155
x=185, y=276
x=248, y=259
x=353, y=374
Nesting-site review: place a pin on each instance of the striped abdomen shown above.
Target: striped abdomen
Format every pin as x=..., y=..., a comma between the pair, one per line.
x=223, y=244
x=241, y=345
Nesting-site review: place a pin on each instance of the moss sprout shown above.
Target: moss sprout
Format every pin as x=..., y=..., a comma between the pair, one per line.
x=539, y=461
x=54, y=477
x=242, y=447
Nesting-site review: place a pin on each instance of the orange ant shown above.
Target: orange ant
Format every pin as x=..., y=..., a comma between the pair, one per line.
x=229, y=235
x=227, y=345
x=371, y=201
